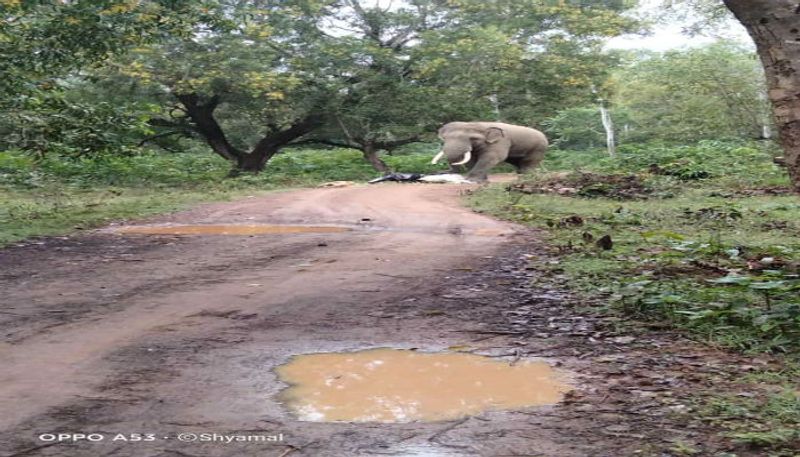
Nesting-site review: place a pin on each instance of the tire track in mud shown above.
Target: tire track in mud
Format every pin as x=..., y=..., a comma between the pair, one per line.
x=47, y=363
x=102, y=295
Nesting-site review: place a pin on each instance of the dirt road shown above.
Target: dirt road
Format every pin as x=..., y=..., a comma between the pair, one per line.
x=112, y=333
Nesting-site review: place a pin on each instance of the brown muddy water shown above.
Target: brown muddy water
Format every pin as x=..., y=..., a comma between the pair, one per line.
x=252, y=229
x=390, y=385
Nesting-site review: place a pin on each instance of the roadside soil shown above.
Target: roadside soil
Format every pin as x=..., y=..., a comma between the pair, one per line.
x=167, y=334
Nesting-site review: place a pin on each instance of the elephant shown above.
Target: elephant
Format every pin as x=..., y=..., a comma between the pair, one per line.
x=482, y=145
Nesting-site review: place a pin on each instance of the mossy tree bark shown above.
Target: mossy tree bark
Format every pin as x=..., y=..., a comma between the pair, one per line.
x=774, y=26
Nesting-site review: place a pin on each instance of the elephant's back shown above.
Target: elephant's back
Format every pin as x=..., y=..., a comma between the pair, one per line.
x=519, y=129
x=525, y=137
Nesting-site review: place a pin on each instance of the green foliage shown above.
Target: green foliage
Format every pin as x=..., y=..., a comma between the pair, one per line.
x=711, y=92
x=722, y=270
x=47, y=122
x=770, y=422
x=43, y=39
x=581, y=128
x=731, y=164
x=49, y=49
x=717, y=259
x=711, y=260
x=396, y=73
x=195, y=170
x=706, y=93
x=260, y=73
x=560, y=57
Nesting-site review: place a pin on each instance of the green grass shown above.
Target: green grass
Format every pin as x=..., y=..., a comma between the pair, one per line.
x=57, y=196
x=728, y=165
x=707, y=255
x=671, y=258
x=698, y=249
x=766, y=419
x=59, y=211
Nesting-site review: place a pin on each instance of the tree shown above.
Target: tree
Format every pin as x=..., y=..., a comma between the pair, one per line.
x=41, y=39
x=58, y=122
x=247, y=91
x=428, y=62
x=608, y=127
x=48, y=46
x=368, y=77
x=689, y=95
x=405, y=73
x=380, y=104
x=581, y=128
x=774, y=26
x=560, y=58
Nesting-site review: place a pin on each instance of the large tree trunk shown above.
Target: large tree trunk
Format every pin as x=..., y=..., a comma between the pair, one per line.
x=268, y=146
x=774, y=26
x=371, y=156
x=252, y=162
x=202, y=117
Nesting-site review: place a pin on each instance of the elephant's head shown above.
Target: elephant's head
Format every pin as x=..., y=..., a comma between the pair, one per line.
x=463, y=139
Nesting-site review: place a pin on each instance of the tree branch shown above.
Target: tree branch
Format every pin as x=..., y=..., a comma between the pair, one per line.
x=401, y=39
x=369, y=29
x=345, y=130
x=389, y=145
x=334, y=143
x=159, y=135
x=202, y=116
x=281, y=138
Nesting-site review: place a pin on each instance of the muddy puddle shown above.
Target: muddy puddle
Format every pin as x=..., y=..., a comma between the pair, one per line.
x=252, y=229
x=389, y=385
x=263, y=229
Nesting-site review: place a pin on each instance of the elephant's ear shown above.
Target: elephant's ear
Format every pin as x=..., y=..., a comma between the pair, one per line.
x=493, y=134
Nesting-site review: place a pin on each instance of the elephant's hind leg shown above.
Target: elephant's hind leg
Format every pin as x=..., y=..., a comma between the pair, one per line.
x=529, y=163
x=516, y=162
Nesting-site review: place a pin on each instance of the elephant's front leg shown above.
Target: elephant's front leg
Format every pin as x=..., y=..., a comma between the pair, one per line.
x=480, y=172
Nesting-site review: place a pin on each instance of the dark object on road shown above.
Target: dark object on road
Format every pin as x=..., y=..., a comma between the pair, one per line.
x=440, y=178
x=397, y=177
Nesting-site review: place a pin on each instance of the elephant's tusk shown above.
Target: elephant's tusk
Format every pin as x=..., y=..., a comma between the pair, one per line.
x=467, y=158
x=437, y=157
